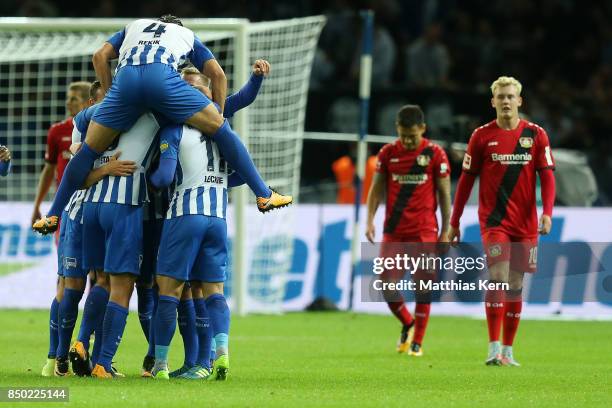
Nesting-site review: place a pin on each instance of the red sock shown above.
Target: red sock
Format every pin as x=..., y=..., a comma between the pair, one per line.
x=421, y=313
x=400, y=311
x=512, y=317
x=494, y=308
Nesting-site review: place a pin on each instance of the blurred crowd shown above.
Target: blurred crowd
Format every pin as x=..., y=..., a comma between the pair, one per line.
x=561, y=50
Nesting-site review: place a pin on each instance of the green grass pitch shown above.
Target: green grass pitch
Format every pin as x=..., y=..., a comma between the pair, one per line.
x=339, y=359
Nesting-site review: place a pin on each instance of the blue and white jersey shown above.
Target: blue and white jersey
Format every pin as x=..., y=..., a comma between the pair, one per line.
x=75, y=206
x=138, y=145
x=147, y=41
x=200, y=183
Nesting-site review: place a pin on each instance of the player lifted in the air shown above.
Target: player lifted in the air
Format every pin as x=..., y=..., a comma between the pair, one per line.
x=146, y=79
x=506, y=154
x=414, y=173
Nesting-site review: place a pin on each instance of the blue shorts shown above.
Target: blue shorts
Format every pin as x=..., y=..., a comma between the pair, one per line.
x=60, y=244
x=113, y=237
x=193, y=247
x=72, y=249
x=137, y=89
x=152, y=230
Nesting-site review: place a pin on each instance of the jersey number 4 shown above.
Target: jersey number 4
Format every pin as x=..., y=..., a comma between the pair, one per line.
x=156, y=28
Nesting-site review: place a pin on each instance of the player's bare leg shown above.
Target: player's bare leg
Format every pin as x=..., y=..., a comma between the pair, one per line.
x=494, y=307
x=210, y=122
x=98, y=139
x=512, y=316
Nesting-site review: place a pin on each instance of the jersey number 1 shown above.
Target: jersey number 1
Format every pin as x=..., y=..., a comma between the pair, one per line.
x=154, y=29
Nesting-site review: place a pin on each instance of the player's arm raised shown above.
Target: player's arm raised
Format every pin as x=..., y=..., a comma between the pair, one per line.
x=375, y=196
x=247, y=94
x=101, y=62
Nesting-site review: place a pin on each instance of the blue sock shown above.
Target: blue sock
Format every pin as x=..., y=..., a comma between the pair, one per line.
x=95, y=354
x=93, y=313
x=204, y=331
x=53, y=328
x=75, y=174
x=213, y=349
x=239, y=159
x=145, y=308
x=151, y=350
x=114, y=324
x=165, y=325
x=219, y=315
x=67, y=315
x=187, y=327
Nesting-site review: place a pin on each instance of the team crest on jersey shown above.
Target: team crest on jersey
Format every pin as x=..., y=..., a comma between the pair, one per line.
x=495, y=251
x=526, y=142
x=423, y=160
x=163, y=146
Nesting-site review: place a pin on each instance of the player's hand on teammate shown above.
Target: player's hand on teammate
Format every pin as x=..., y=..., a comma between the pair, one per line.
x=370, y=232
x=261, y=67
x=5, y=154
x=120, y=168
x=454, y=236
x=545, y=224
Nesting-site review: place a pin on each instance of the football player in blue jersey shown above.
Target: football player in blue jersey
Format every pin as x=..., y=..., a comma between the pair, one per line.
x=195, y=228
x=146, y=79
x=5, y=160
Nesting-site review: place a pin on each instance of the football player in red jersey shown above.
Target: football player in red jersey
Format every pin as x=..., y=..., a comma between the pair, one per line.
x=507, y=153
x=410, y=172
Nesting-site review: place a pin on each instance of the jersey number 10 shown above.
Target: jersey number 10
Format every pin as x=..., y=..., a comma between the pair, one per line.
x=153, y=28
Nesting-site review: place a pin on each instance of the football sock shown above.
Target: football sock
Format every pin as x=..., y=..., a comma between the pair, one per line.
x=53, y=328
x=512, y=315
x=97, y=347
x=93, y=313
x=400, y=311
x=421, y=313
x=239, y=159
x=67, y=315
x=187, y=328
x=494, y=309
x=213, y=349
x=219, y=315
x=114, y=325
x=145, y=308
x=202, y=324
x=75, y=174
x=165, y=325
x=151, y=350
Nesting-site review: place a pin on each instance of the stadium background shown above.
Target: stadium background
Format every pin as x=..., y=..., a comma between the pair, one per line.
x=559, y=49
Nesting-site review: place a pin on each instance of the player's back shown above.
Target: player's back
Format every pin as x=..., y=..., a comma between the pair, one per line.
x=201, y=180
x=149, y=41
x=137, y=145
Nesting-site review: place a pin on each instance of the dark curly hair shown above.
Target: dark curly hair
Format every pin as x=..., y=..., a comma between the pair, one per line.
x=169, y=18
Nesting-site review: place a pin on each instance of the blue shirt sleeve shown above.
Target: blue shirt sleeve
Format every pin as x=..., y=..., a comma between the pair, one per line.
x=169, y=140
x=199, y=54
x=244, y=97
x=116, y=40
x=4, y=167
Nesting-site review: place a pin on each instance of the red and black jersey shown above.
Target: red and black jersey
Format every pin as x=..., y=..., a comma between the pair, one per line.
x=59, y=139
x=411, y=190
x=507, y=161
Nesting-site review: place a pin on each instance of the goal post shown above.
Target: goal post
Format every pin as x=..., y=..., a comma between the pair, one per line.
x=39, y=57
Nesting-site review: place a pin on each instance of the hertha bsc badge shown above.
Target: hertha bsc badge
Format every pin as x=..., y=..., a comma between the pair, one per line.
x=526, y=142
x=422, y=160
x=495, y=251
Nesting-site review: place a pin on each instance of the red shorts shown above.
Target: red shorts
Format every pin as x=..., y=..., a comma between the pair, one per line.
x=394, y=244
x=521, y=252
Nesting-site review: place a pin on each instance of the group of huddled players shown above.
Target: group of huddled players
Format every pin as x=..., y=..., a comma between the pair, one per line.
x=152, y=159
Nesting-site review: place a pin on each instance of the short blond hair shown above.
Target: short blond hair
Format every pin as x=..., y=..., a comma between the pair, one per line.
x=194, y=71
x=506, y=81
x=82, y=87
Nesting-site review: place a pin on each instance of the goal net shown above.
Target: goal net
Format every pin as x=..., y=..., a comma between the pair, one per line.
x=40, y=57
